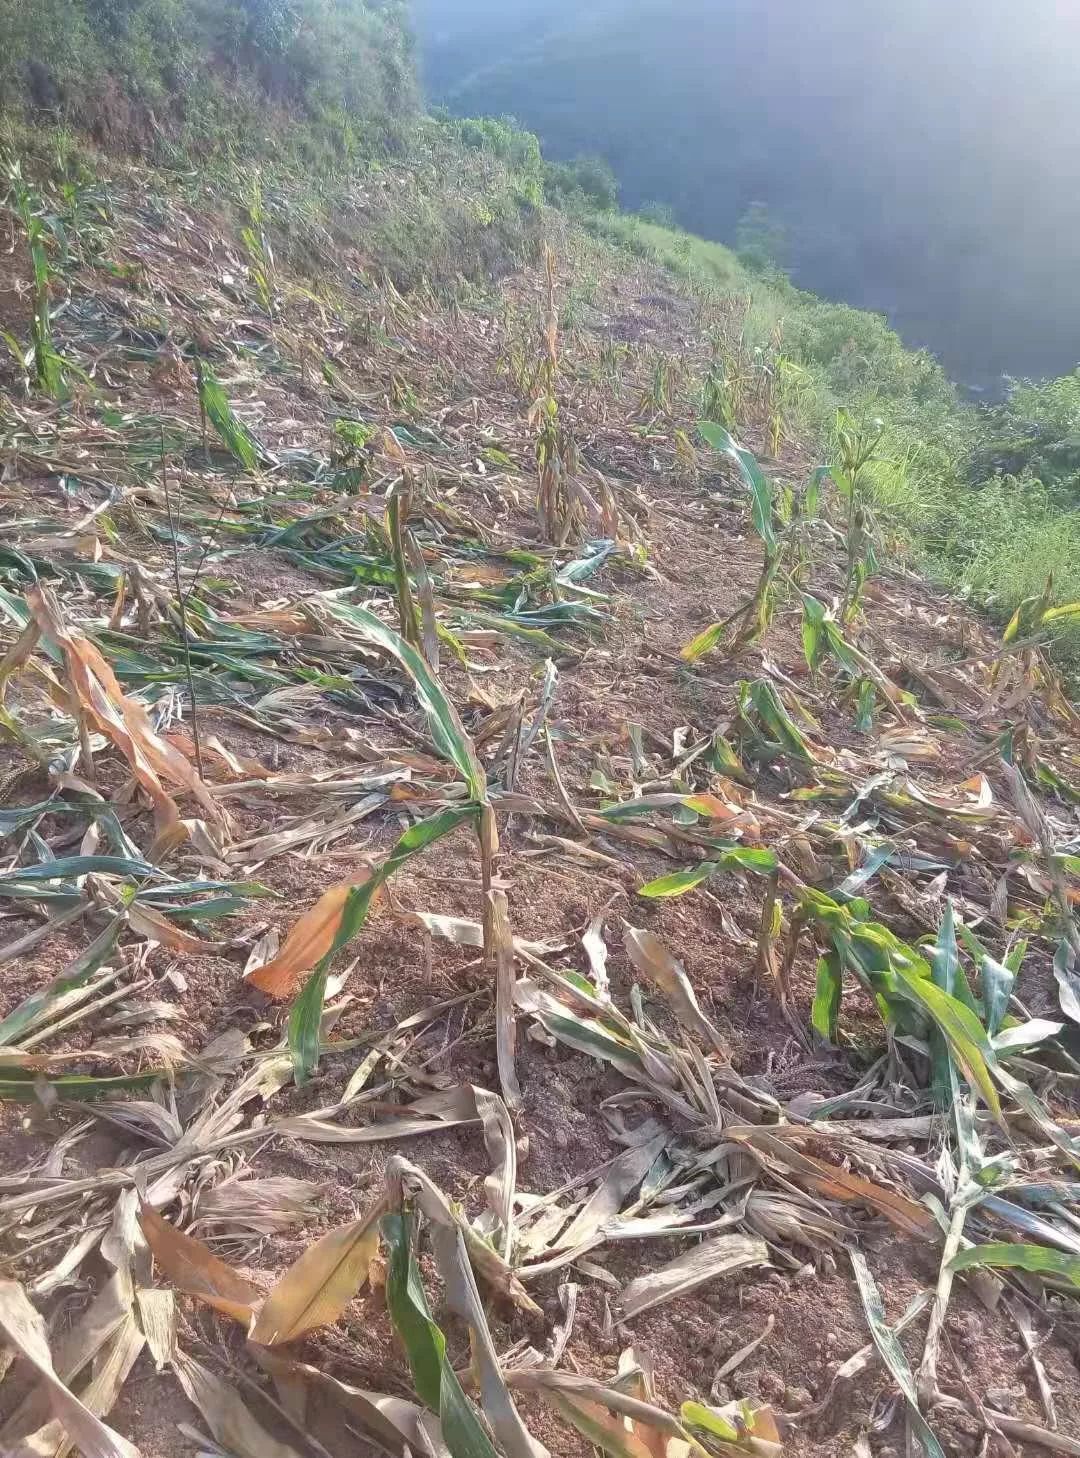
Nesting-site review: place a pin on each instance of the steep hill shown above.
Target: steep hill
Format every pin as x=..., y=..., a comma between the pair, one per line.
x=476, y=826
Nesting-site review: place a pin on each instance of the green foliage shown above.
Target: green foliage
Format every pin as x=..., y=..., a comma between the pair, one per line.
x=760, y=240
x=503, y=139
x=1035, y=434
x=660, y=213
x=135, y=72
x=587, y=181
x=47, y=367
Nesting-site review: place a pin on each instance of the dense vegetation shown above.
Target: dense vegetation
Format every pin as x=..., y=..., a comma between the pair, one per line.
x=986, y=497
x=138, y=73
x=905, y=147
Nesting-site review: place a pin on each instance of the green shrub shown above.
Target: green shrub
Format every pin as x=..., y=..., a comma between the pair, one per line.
x=134, y=71
x=587, y=181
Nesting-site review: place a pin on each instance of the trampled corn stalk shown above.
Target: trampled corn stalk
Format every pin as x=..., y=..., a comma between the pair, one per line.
x=750, y=621
x=302, y=965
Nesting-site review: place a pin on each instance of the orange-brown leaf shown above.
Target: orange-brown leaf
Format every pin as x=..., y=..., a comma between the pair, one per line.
x=194, y=1269
x=310, y=938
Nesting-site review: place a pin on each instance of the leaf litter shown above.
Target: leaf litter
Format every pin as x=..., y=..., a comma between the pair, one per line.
x=726, y=983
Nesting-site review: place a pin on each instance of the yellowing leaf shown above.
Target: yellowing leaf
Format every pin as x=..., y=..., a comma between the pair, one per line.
x=317, y=1288
x=122, y=719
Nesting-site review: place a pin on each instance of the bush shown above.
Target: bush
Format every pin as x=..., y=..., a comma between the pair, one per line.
x=586, y=182
x=1035, y=433
x=760, y=240
x=658, y=212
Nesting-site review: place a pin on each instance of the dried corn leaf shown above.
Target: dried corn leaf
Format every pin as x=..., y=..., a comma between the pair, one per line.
x=196, y=1271
x=831, y=1180
x=226, y=1415
x=404, y=1429
x=653, y=960
x=463, y=1299
x=717, y=1257
x=615, y=1421
x=122, y=719
x=309, y=940
x=22, y=1328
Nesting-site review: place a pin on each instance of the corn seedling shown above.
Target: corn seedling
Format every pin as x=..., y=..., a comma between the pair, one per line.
x=403, y=397
x=47, y=368
x=766, y=726
x=351, y=453
x=656, y=398
x=557, y=507
x=856, y=447
x=214, y=408
x=397, y=516
x=717, y=398
x=612, y=359
x=785, y=379
x=687, y=469
x=259, y=252
x=749, y=622
x=556, y=464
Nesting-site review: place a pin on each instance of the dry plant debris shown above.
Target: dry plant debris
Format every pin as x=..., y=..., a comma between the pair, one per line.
x=472, y=745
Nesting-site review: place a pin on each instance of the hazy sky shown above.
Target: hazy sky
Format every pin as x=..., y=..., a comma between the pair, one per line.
x=924, y=154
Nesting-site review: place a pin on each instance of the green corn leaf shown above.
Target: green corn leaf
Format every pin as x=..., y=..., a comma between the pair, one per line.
x=1064, y=614
x=899, y=976
x=965, y=1034
x=21, y=1086
x=74, y=975
x=812, y=498
x=705, y=642
x=708, y=1420
x=753, y=477
x=233, y=432
x=997, y=982
x=864, y=708
x=68, y=867
x=944, y=964
x=776, y=719
x=825, y=1013
x=444, y=721
x=1005, y=1256
x=434, y=1378
x=677, y=883
x=892, y=1353
x=722, y=757
x=305, y=1015
x=739, y=858
x=305, y=1023
x=812, y=631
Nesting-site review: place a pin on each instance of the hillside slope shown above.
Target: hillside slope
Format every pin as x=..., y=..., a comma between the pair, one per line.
x=600, y=997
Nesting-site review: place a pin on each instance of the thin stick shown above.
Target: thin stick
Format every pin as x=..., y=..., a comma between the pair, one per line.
x=181, y=601
x=207, y=543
